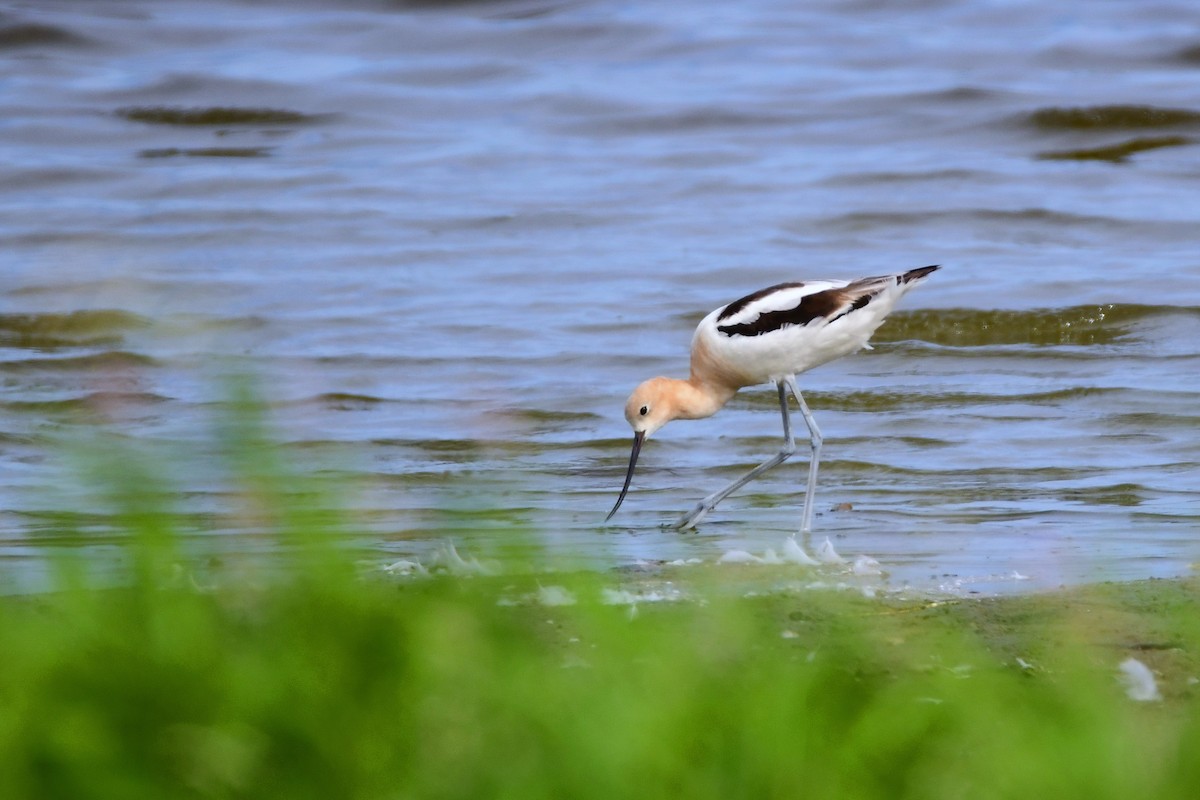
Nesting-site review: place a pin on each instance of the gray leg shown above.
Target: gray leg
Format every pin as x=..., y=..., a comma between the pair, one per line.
x=706, y=505
x=814, y=437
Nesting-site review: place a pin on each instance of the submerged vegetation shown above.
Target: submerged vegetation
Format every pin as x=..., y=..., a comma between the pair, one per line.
x=1117, y=153
x=308, y=675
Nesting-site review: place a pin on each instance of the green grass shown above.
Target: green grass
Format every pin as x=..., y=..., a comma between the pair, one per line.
x=308, y=678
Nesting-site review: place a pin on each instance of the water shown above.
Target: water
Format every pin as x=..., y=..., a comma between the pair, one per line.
x=449, y=238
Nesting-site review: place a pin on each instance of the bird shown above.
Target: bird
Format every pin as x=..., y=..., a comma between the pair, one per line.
x=768, y=336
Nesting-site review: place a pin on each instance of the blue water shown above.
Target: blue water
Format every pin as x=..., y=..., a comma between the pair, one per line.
x=449, y=238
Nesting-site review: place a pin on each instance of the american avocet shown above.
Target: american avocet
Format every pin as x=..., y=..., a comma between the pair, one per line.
x=772, y=335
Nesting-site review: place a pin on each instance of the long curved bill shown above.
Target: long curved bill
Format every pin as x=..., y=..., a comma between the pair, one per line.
x=638, y=438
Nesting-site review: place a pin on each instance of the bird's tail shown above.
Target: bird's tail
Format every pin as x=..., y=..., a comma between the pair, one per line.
x=917, y=274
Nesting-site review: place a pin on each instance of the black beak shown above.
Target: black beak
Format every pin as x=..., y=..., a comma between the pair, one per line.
x=638, y=438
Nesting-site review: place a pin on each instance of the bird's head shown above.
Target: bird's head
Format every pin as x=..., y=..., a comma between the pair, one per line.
x=652, y=405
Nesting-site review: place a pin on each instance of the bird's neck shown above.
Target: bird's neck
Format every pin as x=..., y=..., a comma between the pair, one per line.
x=694, y=399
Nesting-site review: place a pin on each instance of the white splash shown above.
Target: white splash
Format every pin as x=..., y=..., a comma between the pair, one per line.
x=827, y=555
x=794, y=553
x=555, y=596
x=1139, y=681
x=865, y=566
x=738, y=557
x=769, y=557
x=449, y=559
x=405, y=567
x=624, y=597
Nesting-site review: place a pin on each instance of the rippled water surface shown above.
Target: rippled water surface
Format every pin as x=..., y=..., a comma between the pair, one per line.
x=449, y=238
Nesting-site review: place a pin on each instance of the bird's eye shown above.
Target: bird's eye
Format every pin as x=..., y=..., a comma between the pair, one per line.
x=644, y=410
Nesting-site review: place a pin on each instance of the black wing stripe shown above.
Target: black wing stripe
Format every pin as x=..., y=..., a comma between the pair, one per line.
x=739, y=304
x=830, y=304
x=813, y=306
x=855, y=306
